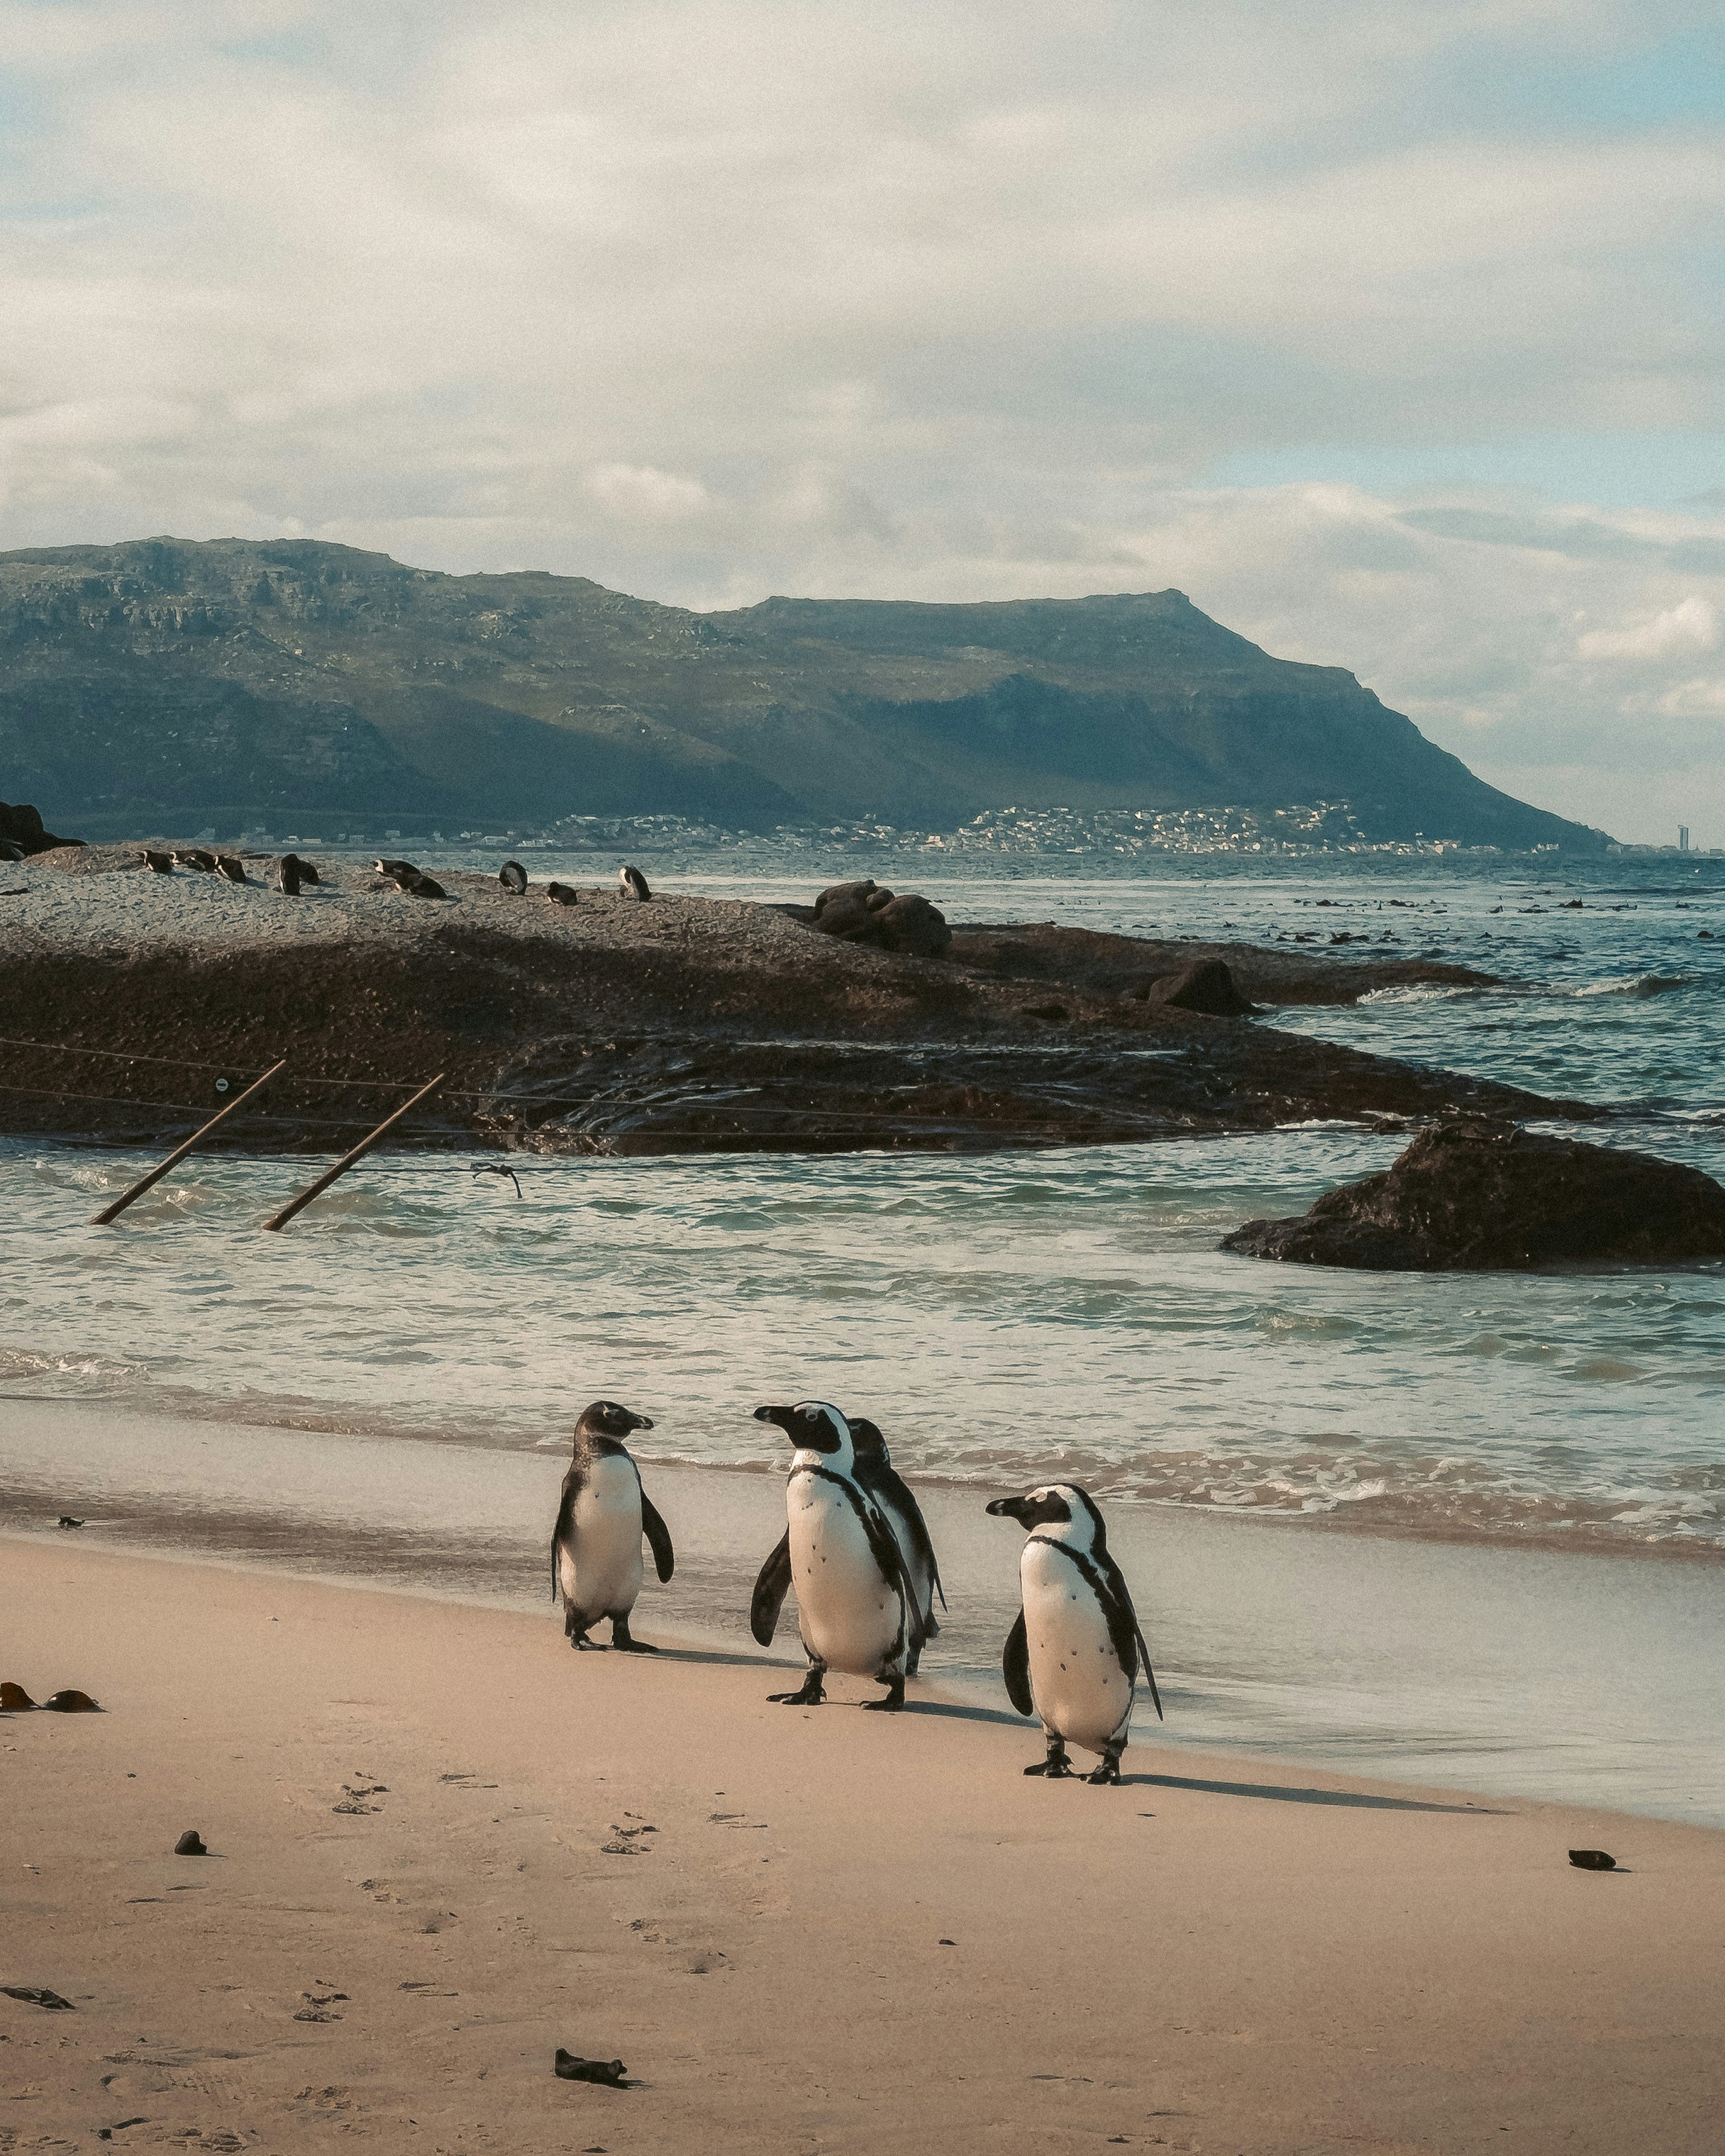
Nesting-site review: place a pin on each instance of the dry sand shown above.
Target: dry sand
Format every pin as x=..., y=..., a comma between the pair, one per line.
x=839, y=1934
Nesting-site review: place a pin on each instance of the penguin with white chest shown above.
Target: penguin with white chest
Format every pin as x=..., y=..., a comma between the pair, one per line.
x=1073, y=1657
x=857, y=1607
x=596, y=1568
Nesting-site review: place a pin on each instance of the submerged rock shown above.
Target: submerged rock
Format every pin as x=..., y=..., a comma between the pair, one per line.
x=1472, y=1195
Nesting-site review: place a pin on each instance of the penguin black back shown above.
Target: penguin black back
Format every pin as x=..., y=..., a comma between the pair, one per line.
x=633, y=884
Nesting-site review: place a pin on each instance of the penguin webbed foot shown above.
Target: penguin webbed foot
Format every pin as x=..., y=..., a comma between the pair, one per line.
x=1056, y=1767
x=811, y=1694
x=623, y=1642
x=1107, y=1775
x=894, y=1702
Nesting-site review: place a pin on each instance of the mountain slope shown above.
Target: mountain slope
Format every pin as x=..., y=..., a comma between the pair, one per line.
x=166, y=680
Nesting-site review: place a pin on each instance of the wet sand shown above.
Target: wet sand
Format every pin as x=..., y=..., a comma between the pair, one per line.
x=432, y=1865
x=1581, y=1678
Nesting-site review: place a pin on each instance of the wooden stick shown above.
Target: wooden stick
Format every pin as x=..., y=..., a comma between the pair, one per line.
x=112, y=1212
x=316, y=1189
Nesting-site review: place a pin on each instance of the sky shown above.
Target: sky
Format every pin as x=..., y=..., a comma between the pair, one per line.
x=1389, y=330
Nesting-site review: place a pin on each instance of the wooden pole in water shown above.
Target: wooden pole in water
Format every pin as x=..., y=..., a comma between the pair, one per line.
x=112, y=1212
x=316, y=1189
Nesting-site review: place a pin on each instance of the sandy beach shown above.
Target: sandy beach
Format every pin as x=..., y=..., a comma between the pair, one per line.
x=442, y=1846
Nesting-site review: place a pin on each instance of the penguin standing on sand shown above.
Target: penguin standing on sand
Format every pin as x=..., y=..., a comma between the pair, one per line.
x=596, y=1567
x=878, y=1476
x=632, y=884
x=1072, y=1657
x=857, y=1607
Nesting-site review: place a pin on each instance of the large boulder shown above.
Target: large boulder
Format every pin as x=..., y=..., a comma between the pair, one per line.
x=1208, y=987
x=1475, y=1195
x=866, y=913
x=21, y=833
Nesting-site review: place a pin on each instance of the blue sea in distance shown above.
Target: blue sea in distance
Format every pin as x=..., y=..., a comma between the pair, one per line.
x=1003, y=1316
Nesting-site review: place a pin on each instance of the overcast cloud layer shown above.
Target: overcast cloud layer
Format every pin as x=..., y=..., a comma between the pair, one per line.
x=1390, y=331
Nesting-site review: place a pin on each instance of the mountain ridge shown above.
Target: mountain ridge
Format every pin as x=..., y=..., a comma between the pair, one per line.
x=160, y=681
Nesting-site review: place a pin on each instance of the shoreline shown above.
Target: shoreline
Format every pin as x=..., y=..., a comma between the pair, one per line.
x=1275, y=1957
x=1409, y=1659
x=1348, y=1519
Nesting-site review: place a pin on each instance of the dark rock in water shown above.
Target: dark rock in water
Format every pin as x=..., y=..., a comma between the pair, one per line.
x=66, y=1520
x=1207, y=987
x=1471, y=1195
x=38, y=1994
x=22, y=825
x=609, y=2073
x=191, y=1843
x=71, y=1702
x=13, y=1698
x=1592, y=1859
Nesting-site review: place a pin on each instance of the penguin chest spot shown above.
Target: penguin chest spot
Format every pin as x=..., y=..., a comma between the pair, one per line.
x=1076, y=1683
x=599, y=1559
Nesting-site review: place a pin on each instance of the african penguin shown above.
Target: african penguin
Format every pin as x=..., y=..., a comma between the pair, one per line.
x=158, y=864
x=287, y=876
x=877, y=1475
x=195, y=857
x=596, y=1545
x=231, y=866
x=1072, y=1657
x=513, y=877
x=633, y=884
x=857, y=1607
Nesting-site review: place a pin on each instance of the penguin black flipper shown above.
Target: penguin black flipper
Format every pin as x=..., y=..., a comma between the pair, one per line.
x=889, y=1485
x=884, y=1547
x=1015, y=1667
x=1108, y=1584
x=771, y=1589
x=659, y=1539
x=573, y=1482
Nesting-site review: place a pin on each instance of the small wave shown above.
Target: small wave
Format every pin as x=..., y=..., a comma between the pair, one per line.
x=1636, y=984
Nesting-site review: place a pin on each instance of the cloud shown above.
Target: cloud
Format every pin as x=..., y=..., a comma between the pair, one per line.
x=1691, y=625
x=941, y=298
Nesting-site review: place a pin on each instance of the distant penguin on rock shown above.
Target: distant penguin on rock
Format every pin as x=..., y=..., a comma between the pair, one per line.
x=307, y=873
x=633, y=884
x=231, y=866
x=195, y=857
x=561, y=894
x=395, y=868
x=1073, y=1657
x=856, y=1605
x=287, y=876
x=596, y=1568
x=158, y=864
x=513, y=877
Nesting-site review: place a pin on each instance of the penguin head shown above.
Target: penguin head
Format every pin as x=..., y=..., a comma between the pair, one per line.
x=816, y=1429
x=1059, y=1509
x=606, y=1419
x=867, y=1443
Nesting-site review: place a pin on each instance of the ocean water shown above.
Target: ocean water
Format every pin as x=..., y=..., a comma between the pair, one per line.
x=1005, y=1318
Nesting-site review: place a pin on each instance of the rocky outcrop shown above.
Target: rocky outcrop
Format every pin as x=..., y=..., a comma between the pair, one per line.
x=1207, y=987
x=21, y=833
x=1476, y=1195
x=866, y=913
